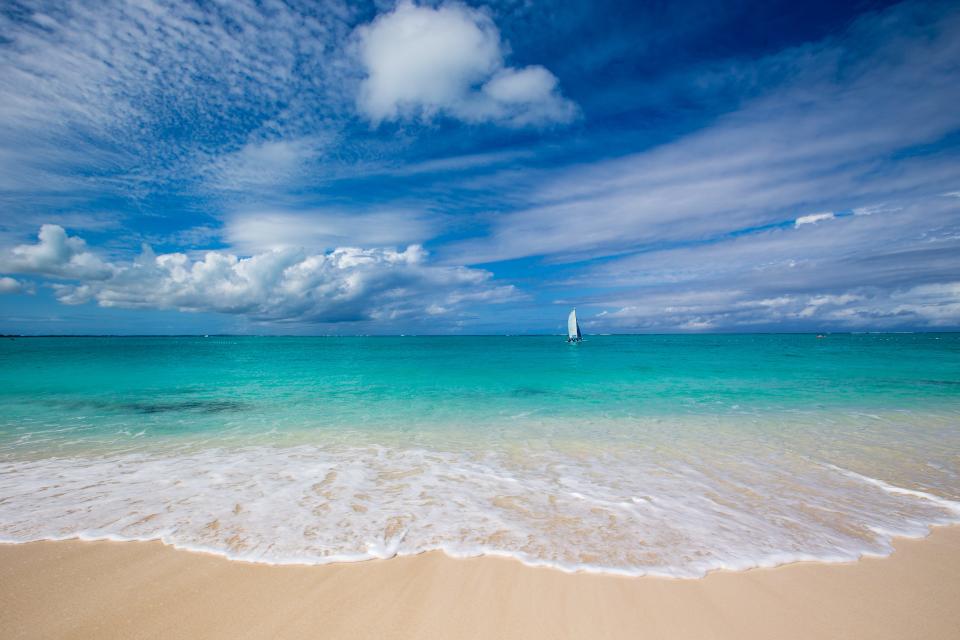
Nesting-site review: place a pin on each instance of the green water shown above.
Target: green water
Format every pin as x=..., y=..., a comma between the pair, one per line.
x=175, y=385
x=670, y=455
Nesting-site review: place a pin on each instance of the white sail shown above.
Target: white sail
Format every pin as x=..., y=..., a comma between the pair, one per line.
x=573, y=328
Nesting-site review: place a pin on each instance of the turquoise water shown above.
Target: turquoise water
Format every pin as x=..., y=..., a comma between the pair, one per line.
x=637, y=454
x=175, y=386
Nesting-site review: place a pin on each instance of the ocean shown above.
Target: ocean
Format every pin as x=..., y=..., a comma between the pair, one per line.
x=639, y=455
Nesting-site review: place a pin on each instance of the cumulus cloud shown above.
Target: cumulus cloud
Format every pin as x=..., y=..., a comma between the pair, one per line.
x=288, y=285
x=56, y=254
x=423, y=61
x=10, y=285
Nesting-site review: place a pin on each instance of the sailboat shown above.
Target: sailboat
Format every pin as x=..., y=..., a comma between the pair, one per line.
x=573, y=328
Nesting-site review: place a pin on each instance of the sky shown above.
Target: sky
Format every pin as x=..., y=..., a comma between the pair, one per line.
x=421, y=167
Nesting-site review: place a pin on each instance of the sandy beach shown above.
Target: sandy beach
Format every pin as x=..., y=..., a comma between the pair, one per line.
x=147, y=590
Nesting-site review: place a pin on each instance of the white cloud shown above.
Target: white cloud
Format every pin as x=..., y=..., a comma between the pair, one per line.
x=697, y=324
x=122, y=96
x=869, y=210
x=56, y=254
x=530, y=84
x=813, y=218
x=938, y=304
x=9, y=285
x=815, y=303
x=449, y=60
x=255, y=231
x=265, y=163
x=286, y=285
x=924, y=306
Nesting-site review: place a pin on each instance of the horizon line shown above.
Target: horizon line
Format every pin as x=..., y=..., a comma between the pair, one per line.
x=460, y=335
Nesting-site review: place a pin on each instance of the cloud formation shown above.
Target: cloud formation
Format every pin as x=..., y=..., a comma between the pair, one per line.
x=844, y=127
x=781, y=180
x=143, y=90
x=257, y=230
x=288, y=285
x=56, y=254
x=896, y=268
x=422, y=62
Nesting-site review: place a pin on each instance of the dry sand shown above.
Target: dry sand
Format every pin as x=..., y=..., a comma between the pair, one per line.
x=147, y=590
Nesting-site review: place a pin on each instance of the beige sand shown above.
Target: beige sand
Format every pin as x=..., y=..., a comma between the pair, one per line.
x=147, y=590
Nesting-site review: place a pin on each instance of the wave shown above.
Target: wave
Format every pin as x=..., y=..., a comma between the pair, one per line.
x=625, y=510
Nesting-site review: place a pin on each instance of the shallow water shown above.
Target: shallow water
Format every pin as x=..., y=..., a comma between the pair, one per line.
x=667, y=455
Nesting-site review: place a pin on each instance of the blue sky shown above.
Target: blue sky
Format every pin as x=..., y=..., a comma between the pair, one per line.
x=345, y=168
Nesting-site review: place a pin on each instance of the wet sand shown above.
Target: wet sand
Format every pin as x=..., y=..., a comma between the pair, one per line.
x=147, y=590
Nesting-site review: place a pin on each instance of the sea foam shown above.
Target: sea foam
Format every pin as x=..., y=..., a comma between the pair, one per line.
x=625, y=510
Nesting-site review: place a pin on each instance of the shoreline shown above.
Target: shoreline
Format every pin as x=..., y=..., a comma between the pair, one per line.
x=509, y=556
x=60, y=589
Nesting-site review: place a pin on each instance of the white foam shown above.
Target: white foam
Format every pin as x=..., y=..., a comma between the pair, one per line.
x=629, y=510
x=949, y=505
